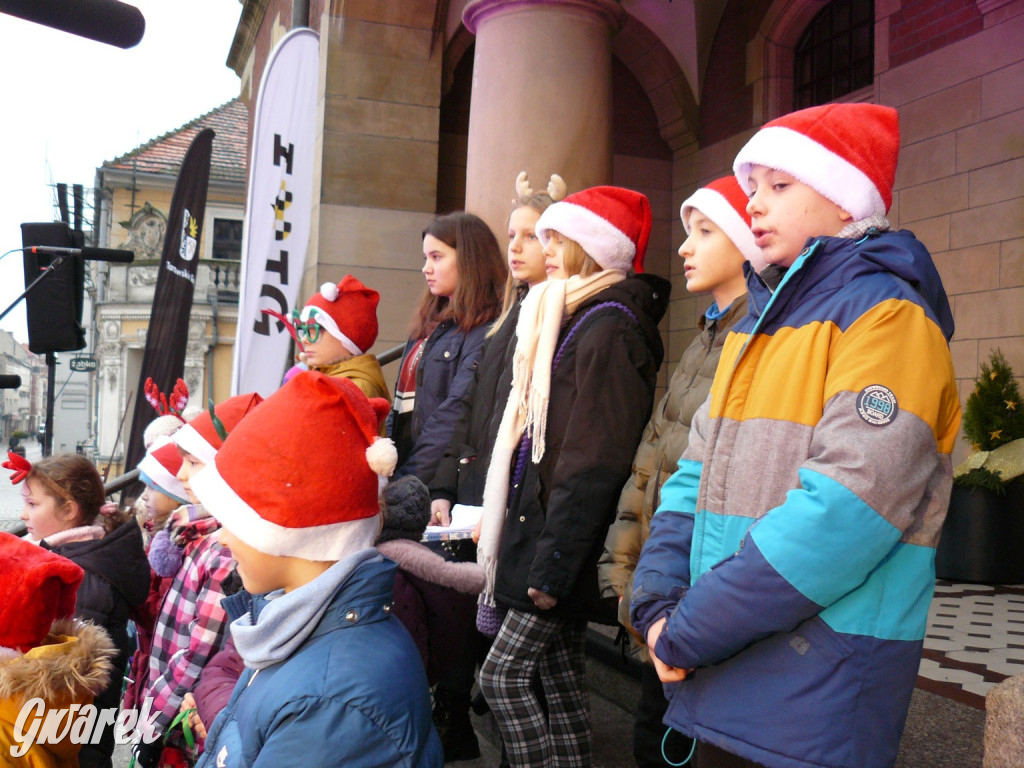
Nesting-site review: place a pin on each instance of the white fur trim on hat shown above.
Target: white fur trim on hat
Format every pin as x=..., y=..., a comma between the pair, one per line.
x=318, y=542
x=725, y=217
x=603, y=241
x=190, y=441
x=152, y=472
x=326, y=322
x=809, y=162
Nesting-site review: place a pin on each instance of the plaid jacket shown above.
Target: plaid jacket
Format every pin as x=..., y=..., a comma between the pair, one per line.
x=189, y=629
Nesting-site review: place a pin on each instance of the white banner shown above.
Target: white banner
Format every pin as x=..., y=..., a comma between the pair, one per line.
x=277, y=212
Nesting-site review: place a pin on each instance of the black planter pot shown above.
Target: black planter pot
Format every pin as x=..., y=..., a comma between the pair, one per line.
x=983, y=537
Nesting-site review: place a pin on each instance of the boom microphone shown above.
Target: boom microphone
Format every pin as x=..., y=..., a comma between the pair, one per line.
x=89, y=254
x=10, y=382
x=105, y=21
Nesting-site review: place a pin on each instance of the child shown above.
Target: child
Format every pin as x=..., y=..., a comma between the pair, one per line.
x=785, y=585
x=461, y=471
x=164, y=493
x=63, y=495
x=434, y=598
x=718, y=242
x=464, y=272
x=191, y=624
x=338, y=326
x=583, y=385
x=332, y=678
x=44, y=653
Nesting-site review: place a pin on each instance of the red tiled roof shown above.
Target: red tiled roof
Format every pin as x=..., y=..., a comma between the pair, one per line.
x=164, y=154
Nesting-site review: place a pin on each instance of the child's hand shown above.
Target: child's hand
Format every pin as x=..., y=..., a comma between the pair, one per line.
x=441, y=512
x=542, y=600
x=666, y=673
x=189, y=702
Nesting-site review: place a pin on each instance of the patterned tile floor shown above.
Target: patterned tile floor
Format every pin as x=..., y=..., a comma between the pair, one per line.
x=975, y=639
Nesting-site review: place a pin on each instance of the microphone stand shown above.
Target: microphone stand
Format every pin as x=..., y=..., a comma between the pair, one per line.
x=54, y=264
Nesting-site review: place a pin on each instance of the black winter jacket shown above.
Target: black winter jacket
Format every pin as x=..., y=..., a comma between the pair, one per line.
x=443, y=375
x=462, y=470
x=116, y=580
x=602, y=392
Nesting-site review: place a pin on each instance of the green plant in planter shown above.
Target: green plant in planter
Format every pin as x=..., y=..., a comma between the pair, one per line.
x=993, y=423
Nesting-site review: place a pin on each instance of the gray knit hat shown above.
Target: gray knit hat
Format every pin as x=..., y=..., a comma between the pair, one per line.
x=406, y=509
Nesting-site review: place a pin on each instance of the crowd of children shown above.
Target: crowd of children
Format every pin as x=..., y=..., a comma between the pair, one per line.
x=768, y=538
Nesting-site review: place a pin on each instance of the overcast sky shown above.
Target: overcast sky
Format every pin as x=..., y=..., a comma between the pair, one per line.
x=71, y=103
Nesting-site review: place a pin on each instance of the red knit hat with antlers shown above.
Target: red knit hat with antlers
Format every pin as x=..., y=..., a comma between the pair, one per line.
x=284, y=508
x=204, y=435
x=38, y=587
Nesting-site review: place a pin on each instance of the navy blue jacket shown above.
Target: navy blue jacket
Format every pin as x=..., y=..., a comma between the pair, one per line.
x=445, y=372
x=354, y=693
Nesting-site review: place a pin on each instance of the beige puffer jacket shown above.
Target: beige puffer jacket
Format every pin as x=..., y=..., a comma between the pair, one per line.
x=657, y=456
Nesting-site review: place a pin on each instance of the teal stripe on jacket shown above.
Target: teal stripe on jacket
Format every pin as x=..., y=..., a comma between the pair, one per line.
x=679, y=493
x=820, y=552
x=893, y=603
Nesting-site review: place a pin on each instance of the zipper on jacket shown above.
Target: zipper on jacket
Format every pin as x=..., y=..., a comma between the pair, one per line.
x=797, y=265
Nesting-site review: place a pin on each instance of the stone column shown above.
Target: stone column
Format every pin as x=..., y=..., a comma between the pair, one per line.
x=541, y=98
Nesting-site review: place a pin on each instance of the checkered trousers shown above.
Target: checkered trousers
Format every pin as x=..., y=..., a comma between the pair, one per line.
x=551, y=647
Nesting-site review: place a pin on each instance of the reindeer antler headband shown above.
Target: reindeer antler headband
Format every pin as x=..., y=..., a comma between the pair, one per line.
x=160, y=402
x=20, y=465
x=556, y=187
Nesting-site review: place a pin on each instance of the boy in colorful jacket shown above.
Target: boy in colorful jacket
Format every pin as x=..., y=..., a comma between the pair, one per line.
x=785, y=586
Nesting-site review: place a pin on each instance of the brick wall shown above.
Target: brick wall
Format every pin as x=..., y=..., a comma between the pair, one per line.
x=960, y=184
x=922, y=26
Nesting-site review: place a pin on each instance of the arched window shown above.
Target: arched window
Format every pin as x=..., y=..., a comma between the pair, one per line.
x=835, y=55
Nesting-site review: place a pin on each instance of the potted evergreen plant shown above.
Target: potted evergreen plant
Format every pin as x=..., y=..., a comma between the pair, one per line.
x=983, y=535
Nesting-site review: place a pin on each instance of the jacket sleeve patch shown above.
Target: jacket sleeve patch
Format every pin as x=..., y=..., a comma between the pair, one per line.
x=877, y=405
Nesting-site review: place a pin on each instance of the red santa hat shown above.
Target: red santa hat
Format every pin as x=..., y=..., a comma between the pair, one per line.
x=612, y=224
x=845, y=152
x=347, y=311
x=159, y=469
x=725, y=203
x=315, y=495
x=203, y=436
x=38, y=587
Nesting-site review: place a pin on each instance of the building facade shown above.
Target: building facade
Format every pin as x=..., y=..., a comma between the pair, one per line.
x=435, y=105
x=133, y=200
x=22, y=408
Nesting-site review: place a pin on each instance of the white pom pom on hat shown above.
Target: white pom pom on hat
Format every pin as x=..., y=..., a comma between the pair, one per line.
x=329, y=291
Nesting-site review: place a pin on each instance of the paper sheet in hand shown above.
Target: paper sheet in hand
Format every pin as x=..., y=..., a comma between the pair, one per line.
x=464, y=520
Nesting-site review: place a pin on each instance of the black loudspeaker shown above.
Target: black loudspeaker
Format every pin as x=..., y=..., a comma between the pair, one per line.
x=53, y=309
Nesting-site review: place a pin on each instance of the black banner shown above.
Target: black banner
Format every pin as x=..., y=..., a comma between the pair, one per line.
x=164, y=356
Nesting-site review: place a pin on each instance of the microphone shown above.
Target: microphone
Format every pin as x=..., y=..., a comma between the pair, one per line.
x=105, y=21
x=90, y=254
x=10, y=382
